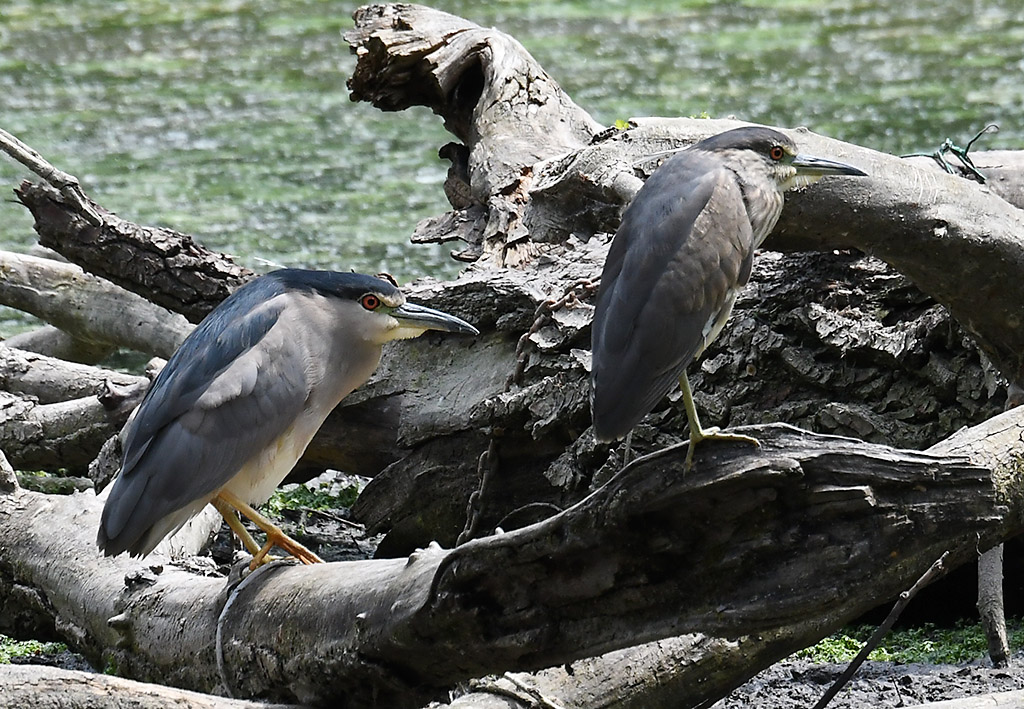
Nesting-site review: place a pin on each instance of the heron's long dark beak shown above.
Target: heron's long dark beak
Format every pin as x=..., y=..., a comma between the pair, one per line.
x=421, y=317
x=816, y=167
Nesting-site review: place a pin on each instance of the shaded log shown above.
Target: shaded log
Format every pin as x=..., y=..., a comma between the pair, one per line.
x=57, y=415
x=52, y=436
x=837, y=343
x=736, y=547
x=49, y=380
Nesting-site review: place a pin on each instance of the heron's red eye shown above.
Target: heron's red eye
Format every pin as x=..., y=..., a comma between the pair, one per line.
x=776, y=152
x=370, y=301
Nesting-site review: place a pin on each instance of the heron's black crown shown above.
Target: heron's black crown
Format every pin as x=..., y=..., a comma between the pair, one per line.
x=757, y=138
x=350, y=286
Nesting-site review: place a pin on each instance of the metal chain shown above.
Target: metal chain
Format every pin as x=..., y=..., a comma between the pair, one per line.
x=487, y=464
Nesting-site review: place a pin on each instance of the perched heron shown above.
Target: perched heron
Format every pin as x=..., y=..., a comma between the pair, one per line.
x=237, y=404
x=680, y=257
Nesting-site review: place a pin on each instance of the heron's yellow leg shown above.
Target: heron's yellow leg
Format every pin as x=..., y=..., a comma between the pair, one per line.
x=698, y=433
x=275, y=536
x=228, y=513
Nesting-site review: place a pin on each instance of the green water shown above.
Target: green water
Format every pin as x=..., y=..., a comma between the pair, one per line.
x=230, y=119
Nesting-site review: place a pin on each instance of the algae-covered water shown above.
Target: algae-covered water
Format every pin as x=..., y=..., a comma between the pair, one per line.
x=230, y=119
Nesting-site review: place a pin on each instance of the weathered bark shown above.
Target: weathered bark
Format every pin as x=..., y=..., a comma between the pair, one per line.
x=88, y=307
x=990, y=605
x=40, y=687
x=635, y=561
x=49, y=380
x=657, y=675
x=807, y=345
x=922, y=221
x=166, y=266
x=479, y=80
x=51, y=436
x=57, y=415
x=821, y=361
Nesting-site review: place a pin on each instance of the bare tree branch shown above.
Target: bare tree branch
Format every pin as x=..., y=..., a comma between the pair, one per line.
x=167, y=266
x=88, y=307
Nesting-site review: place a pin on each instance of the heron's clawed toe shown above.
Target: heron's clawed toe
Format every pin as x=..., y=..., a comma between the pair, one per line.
x=717, y=434
x=277, y=538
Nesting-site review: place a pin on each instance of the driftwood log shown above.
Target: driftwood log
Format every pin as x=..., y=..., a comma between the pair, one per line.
x=758, y=551
x=782, y=531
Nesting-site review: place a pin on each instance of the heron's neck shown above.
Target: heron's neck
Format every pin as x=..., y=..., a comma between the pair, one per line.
x=763, y=201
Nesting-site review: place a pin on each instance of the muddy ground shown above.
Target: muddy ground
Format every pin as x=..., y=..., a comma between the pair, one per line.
x=799, y=684
x=794, y=684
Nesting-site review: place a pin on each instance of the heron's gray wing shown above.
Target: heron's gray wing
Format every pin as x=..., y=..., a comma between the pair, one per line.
x=681, y=248
x=234, y=392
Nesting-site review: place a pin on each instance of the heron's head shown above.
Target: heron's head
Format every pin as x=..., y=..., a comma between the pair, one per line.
x=373, y=305
x=774, y=154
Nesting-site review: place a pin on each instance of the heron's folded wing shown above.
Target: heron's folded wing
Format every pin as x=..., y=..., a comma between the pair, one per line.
x=669, y=273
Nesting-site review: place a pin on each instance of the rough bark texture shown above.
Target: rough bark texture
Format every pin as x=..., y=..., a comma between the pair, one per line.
x=924, y=222
x=832, y=341
x=56, y=415
x=635, y=561
x=835, y=343
x=990, y=605
x=49, y=380
x=166, y=266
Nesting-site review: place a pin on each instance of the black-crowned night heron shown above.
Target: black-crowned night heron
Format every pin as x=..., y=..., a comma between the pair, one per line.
x=682, y=253
x=235, y=407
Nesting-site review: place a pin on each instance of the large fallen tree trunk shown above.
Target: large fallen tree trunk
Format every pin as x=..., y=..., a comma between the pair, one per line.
x=35, y=687
x=836, y=342
x=806, y=526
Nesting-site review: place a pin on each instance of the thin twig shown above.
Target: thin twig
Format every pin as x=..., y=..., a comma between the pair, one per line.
x=934, y=571
x=64, y=182
x=537, y=696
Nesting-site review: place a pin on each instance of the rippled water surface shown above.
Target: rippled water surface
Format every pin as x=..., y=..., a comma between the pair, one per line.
x=230, y=119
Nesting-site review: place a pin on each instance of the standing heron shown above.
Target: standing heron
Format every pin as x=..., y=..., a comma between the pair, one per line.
x=237, y=404
x=682, y=253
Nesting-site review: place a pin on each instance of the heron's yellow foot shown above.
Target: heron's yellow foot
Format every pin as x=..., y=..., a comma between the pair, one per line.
x=227, y=504
x=277, y=538
x=715, y=433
